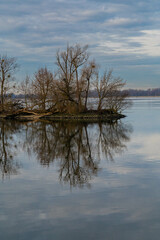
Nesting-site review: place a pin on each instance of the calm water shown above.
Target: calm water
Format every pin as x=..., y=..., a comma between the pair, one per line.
x=82, y=181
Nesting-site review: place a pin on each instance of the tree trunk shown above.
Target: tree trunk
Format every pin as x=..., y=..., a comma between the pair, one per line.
x=2, y=89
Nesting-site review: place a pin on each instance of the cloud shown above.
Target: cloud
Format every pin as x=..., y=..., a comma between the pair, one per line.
x=35, y=29
x=148, y=42
x=118, y=21
x=145, y=44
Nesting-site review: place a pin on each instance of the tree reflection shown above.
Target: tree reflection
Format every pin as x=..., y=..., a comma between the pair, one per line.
x=112, y=138
x=8, y=148
x=77, y=147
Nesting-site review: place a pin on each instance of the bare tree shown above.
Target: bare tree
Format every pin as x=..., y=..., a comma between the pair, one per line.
x=88, y=73
x=8, y=65
x=118, y=101
x=41, y=87
x=109, y=92
x=69, y=64
x=68, y=90
x=25, y=88
x=75, y=77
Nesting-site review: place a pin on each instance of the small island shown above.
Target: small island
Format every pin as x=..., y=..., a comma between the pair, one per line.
x=88, y=116
x=66, y=93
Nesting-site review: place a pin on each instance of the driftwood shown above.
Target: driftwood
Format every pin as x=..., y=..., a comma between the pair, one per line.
x=24, y=114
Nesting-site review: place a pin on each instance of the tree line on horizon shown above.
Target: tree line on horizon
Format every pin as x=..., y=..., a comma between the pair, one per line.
x=143, y=93
x=68, y=89
x=155, y=92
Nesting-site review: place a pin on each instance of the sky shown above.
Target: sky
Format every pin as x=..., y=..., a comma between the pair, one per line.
x=123, y=35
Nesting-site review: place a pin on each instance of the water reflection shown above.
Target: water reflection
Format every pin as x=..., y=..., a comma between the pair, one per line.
x=77, y=148
x=8, y=148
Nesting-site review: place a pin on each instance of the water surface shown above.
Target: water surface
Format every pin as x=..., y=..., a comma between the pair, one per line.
x=82, y=181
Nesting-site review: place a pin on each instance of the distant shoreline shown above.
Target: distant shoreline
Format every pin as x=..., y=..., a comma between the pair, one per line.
x=144, y=96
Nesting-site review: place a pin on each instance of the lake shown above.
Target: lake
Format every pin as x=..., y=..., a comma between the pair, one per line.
x=82, y=181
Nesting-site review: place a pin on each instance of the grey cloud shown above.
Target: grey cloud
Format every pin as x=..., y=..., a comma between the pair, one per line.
x=33, y=30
